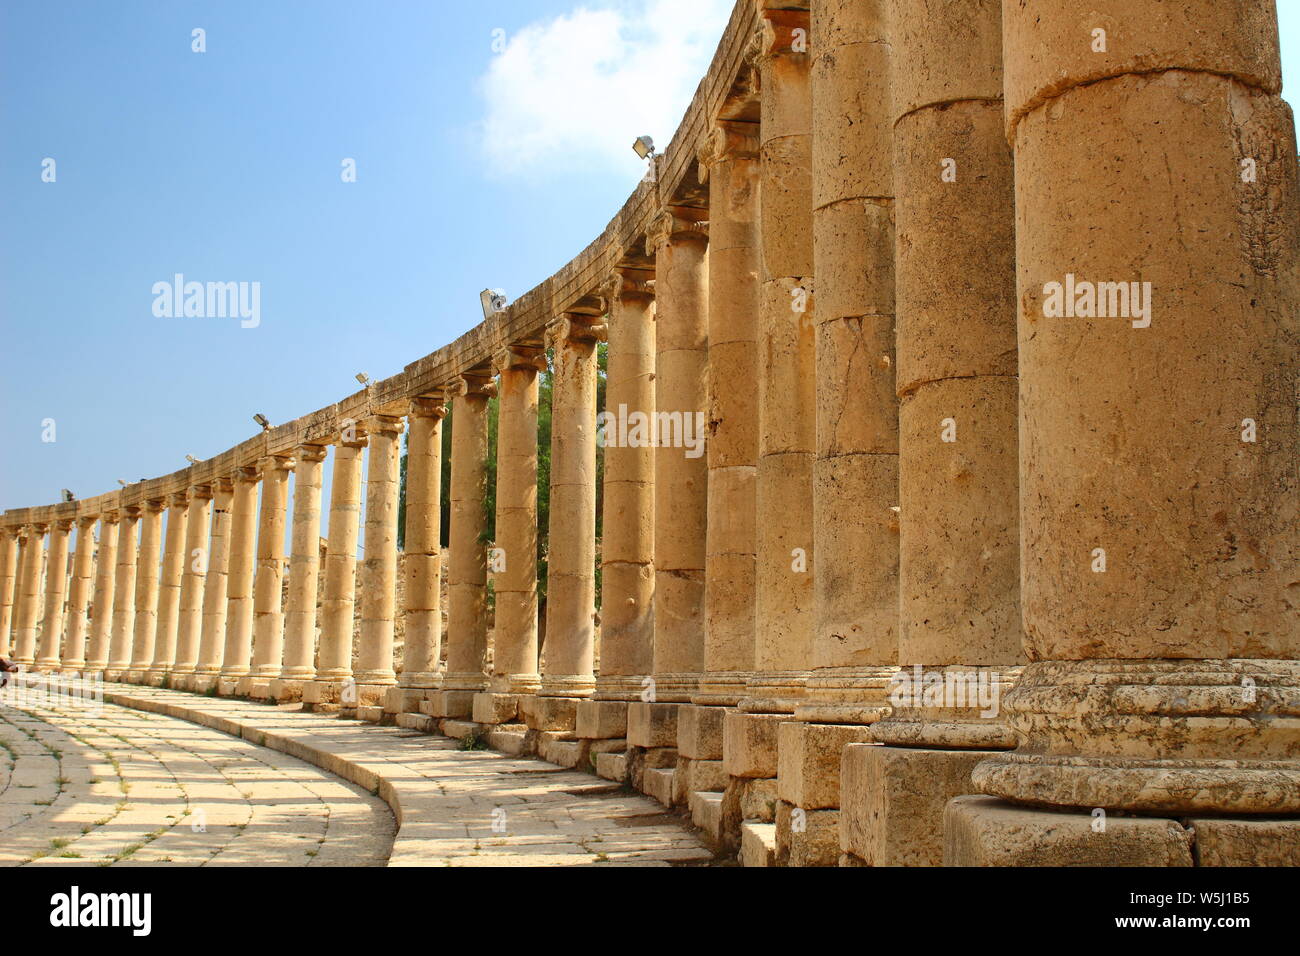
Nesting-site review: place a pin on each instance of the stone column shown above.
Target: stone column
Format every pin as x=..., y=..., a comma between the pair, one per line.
x=119, y=648
x=784, y=597
x=855, y=472
x=467, y=613
x=101, y=617
x=146, y=590
x=268, y=583
x=299, y=662
x=375, y=672
x=212, y=646
x=169, y=589
x=568, y=664
x=422, y=559
x=239, y=580
x=1158, y=282
x=513, y=561
x=959, y=537
x=9, y=557
x=627, y=546
x=83, y=569
x=787, y=393
x=56, y=585
x=333, y=684
x=729, y=163
x=189, y=628
x=680, y=246
x=28, y=596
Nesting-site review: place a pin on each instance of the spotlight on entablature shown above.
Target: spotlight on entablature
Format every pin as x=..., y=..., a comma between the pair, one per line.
x=363, y=378
x=644, y=146
x=192, y=460
x=261, y=420
x=68, y=495
x=493, y=301
x=121, y=482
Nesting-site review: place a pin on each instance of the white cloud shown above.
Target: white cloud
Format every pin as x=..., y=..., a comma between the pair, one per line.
x=574, y=91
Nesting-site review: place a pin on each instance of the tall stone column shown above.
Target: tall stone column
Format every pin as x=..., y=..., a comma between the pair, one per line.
x=235, y=663
x=627, y=545
x=680, y=247
x=101, y=617
x=514, y=559
x=729, y=162
x=189, y=626
x=568, y=665
x=216, y=592
x=422, y=558
x=28, y=596
x=56, y=585
x=787, y=378
x=375, y=672
x=1159, y=282
x=169, y=589
x=9, y=557
x=146, y=590
x=299, y=662
x=678, y=240
x=119, y=647
x=958, y=627
x=73, y=659
x=467, y=613
x=268, y=583
x=333, y=683
x=855, y=472
x=784, y=597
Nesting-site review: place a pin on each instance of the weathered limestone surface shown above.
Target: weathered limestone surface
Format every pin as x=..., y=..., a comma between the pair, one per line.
x=189, y=628
x=215, y=591
x=73, y=656
x=334, y=657
x=148, y=569
x=239, y=578
x=169, y=588
x=56, y=582
x=298, y=663
x=101, y=625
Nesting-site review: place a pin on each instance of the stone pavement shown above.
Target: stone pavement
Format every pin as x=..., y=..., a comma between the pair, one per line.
x=111, y=786
x=454, y=807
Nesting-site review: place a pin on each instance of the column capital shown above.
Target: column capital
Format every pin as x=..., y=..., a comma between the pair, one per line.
x=352, y=434
x=520, y=357
x=577, y=327
x=110, y=517
x=155, y=505
x=178, y=499
x=730, y=140
x=246, y=474
x=271, y=463
x=223, y=484
x=86, y=522
x=672, y=225
x=627, y=283
x=36, y=528
x=64, y=524
x=390, y=425
x=201, y=492
x=311, y=452
x=130, y=511
x=428, y=406
x=778, y=31
x=472, y=385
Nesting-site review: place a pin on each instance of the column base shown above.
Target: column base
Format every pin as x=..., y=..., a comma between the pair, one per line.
x=286, y=690
x=156, y=678
x=602, y=719
x=406, y=700
x=449, y=704
x=202, y=684
x=228, y=686
x=892, y=801
x=806, y=837
x=623, y=687
x=490, y=707
x=326, y=694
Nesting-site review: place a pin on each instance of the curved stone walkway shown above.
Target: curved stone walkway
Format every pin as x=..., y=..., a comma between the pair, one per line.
x=454, y=807
x=112, y=786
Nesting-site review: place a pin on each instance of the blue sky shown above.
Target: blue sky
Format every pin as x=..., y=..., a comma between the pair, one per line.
x=475, y=166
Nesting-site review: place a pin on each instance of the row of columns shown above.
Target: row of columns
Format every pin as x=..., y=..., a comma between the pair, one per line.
x=910, y=467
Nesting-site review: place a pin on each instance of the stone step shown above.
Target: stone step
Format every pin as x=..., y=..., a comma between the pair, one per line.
x=612, y=766
x=371, y=713
x=659, y=784
x=421, y=722
x=706, y=812
x=562, y=752
x=510, y=739
x=460, y=729
x=757, y=844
